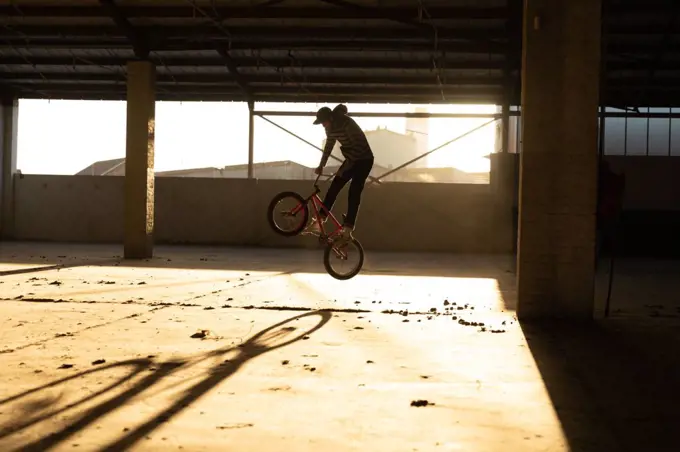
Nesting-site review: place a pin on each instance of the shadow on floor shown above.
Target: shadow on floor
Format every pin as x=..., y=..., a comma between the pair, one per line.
x=271, y=338
x=276, y=260
x=615, y=385
x=53, y=266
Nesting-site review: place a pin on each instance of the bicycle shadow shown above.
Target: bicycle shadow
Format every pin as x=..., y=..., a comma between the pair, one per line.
x=271, y=338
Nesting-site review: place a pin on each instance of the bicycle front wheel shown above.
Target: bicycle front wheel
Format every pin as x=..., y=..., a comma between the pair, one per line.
x=343, y=259
x=288, y=213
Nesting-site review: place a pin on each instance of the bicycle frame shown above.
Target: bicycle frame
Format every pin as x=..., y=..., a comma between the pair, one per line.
x=335, y=238
x=318, y=206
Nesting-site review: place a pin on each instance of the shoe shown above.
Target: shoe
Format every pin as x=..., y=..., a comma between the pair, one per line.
x=347, y=232
x=314, y=227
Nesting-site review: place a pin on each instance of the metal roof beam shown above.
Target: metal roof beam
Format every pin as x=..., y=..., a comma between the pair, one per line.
x=673, y=13
x=48, y=10
x=196, y=79
x=428, y=28
x=379, y=13
x=137, y=39
x=232, y=67
x=254, y=62
x=253, y=34
x=471, y=47
x=220, y=79
x=347, y=90
x=269, y=97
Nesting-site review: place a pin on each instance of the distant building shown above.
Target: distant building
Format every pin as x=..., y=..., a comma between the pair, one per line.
x=289, y=170
x=392, y=149
x=419, y=129
x=115, y=167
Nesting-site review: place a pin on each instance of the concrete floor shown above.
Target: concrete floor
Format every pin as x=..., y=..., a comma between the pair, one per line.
x=98, y=354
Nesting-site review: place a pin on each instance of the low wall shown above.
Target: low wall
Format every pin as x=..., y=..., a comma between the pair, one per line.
x=394, y=216
x=650, y=221
x=400, y=217
x=652, y=182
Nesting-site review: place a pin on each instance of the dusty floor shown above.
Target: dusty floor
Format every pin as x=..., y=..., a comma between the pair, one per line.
x=259, y=350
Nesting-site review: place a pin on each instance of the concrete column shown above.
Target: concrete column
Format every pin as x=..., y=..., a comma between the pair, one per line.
x=558, y=175
x=251, y=138
x=504, y=184
x=9, y=121
x=139, y=160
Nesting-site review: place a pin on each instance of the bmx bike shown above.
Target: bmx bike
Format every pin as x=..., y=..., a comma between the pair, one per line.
x=288, y=214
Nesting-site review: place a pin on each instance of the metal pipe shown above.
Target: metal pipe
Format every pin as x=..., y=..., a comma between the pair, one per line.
x=388, y=115
x=471, y=131
x=625, y=136
x=642, y=115
x=670, y=133
x=647, y=144
x=505, y=127
x=251, y=139
x=373, y=179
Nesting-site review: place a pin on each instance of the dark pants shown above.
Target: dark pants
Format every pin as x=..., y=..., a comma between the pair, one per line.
x=357, y=172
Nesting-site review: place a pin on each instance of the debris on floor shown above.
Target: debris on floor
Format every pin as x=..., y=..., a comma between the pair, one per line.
x=98, y=361
x=200, y=334
x=234, y=426
x=65, y=366
x=421, y=403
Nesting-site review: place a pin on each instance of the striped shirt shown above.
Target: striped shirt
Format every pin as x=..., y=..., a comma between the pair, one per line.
x=353, y=143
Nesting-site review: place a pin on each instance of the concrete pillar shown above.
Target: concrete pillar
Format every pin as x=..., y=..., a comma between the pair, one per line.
x=139, y=160
x=558, y=175
x=251, y=138
x=503, y=181
x=9, y=121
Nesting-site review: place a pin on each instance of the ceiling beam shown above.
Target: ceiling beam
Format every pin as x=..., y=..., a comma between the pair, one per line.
x=254, y=80
x=248, y=33
x=326, y=97
x=471, y=47
x=613, y=97
x=253, y=62
x=48, y=9
x=346, y=90
x=636, y=29
x=379, y=13
x=657, y=57
x=232, y=67
x=224, y=79
x=138, y=40
x=643, y=48
x=300, y=63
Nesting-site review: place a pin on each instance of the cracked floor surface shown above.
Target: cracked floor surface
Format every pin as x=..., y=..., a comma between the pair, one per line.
x=254, y=349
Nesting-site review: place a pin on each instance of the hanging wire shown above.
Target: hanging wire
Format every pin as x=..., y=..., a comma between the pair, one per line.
x=217, y=22
x=422, y=10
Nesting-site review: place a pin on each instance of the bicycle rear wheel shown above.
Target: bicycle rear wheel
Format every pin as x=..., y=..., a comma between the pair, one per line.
x=288, y=213
x=343, y=252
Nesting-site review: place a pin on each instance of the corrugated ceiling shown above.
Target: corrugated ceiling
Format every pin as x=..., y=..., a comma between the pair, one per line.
x=316, y=50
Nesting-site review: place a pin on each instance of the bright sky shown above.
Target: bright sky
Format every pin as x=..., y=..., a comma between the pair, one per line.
x=64, y=137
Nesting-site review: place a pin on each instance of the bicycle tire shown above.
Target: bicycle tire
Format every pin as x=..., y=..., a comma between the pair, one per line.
x=271, y=214
x=328, y=254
